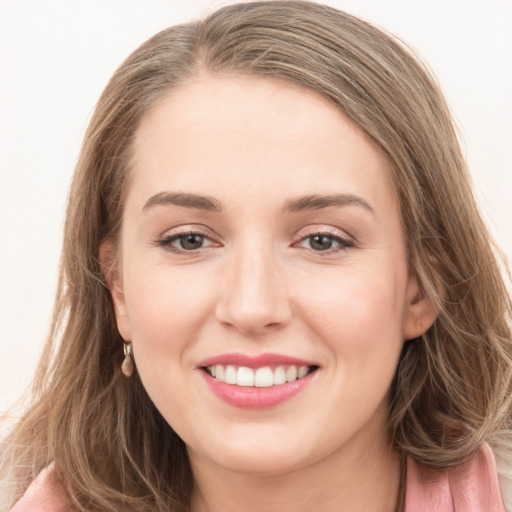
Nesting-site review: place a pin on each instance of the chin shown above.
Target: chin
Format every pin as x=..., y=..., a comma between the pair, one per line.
x=261, y=463
x=257, y=455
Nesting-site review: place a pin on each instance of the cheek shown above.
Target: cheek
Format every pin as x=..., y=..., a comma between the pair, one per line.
x=354, y=296
x=166, y=310
x=157, y=295
x=359, y=321
x=359, y=316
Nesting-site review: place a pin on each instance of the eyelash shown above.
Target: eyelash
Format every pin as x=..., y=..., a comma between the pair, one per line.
x=344, y=243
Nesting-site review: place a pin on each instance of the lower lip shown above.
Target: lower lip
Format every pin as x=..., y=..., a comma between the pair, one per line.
x=253, y=397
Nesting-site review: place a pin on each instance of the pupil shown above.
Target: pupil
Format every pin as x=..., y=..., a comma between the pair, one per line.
x=321, y=242
x=192, y=241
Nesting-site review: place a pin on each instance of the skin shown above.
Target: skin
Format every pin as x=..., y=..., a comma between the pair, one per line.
x=258, y=285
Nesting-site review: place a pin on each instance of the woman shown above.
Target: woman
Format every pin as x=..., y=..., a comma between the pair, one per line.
x=276, y=290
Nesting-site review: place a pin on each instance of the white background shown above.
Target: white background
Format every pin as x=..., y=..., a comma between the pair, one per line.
x=56, y=57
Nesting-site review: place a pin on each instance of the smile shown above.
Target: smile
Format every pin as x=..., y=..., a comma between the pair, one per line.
x=257, y=382
x=262, y=377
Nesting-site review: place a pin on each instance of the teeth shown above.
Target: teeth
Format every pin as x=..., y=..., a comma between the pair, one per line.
x=264, y=377
x=244, y=377
x=230, y=375
x=261, y=378
x=303, y=371
x=219, y=372
x=279, y=376
x=291, y=374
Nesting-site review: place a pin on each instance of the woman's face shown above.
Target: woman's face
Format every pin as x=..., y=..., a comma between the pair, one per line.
x=261, y=241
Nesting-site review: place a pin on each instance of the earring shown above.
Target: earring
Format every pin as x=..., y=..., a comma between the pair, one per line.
x=127, y=366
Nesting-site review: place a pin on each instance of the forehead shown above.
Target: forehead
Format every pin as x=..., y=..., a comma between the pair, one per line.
x=249, y=134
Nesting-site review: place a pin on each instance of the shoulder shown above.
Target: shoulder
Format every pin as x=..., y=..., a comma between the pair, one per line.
x=45, y=494
x=470, y=487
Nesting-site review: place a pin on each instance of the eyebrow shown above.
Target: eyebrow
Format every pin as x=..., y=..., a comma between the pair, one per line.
x=317, y=202
x=193, y=201
x=210, y=204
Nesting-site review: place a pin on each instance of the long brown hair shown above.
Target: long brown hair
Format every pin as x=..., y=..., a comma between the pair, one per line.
x=453, y=386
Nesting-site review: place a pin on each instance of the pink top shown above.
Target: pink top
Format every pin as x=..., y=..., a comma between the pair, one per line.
x=471, y=487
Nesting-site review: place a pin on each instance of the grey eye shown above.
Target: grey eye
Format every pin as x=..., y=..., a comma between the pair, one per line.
x=320, y=242
x=325, y=242
x=191, y=241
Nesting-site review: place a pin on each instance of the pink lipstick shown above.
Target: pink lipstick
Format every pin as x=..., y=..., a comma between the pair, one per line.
x=256, y=382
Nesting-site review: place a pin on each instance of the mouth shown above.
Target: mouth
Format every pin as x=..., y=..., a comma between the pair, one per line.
x=260, y=377
x=257, y=382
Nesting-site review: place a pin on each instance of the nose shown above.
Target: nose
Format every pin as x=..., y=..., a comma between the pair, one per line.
x=254, y=298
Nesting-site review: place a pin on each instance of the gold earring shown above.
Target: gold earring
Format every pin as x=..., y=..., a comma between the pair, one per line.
x=127, y=366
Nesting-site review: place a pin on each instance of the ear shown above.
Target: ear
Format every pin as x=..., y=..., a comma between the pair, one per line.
x=420, y=312
x=111, y=272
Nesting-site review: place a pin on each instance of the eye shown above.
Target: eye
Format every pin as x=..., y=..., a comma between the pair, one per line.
x=190, y=242
x=185, y=242
x=325, y=242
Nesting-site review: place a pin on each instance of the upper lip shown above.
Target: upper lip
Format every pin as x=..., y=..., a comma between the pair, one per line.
x=251, y=361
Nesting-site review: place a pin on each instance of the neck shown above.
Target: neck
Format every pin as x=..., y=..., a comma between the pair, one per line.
x=349, y=480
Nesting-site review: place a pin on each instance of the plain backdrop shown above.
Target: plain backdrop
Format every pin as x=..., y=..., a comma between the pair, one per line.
x=56, y=57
